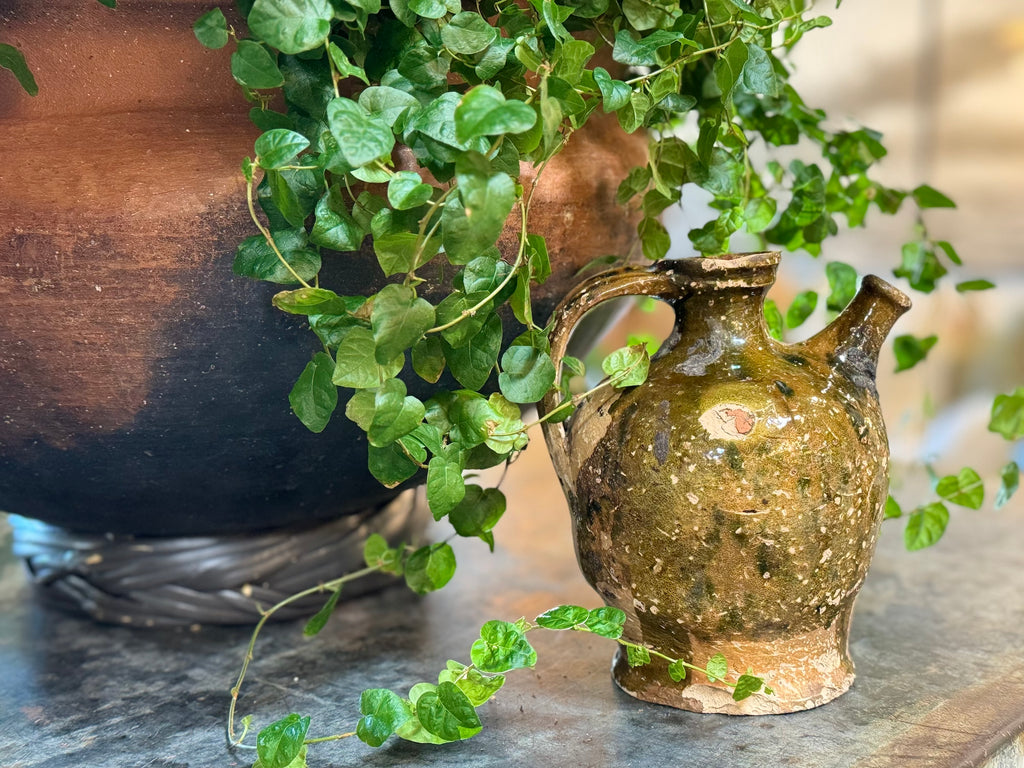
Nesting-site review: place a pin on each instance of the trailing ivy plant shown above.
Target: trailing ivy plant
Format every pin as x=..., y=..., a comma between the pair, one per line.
x=467, y=95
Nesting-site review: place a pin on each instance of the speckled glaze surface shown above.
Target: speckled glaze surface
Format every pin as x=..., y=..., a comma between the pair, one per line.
x=731, y=503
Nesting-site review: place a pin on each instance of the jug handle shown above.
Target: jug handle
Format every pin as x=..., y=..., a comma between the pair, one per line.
x=615, y=283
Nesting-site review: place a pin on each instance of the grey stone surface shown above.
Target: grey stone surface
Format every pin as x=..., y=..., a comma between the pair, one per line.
x=937, y=640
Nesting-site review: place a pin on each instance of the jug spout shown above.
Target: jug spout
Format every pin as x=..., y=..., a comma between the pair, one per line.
x=853, y=340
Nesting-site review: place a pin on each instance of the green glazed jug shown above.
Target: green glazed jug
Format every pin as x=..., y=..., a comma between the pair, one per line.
x=731, y=503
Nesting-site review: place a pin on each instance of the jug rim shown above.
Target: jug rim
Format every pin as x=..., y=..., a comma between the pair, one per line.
x=748, y=269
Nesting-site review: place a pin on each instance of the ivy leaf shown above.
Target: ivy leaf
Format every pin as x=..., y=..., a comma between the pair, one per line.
x=473, y=220
x=964, y=489
x=717, y=668
x=484, y=111
x=399, y=252
x=356, y=364
x=428, y=359
x=920, y=266
x=13, y=60
x=502, y=647
x=255, y=258
x=395, y=414
x=362, y=137
x=291, y=26
x=654, y=238
x=445, y=485
x=280, y=742
x=478, y=512
x=253, y=67
x=468, y=33
x=334, y=227
x=637, y=655
x=311, y=301
x=478, y=687
x=758, y=74
x=406, y=190
x=911, y=350
x=842, y=283
x=729, y=68
x=925, y=526
x=447, y=712
x=773, y=319
x=1008, y=415
x=892, y=508
x=974, y=285
x=950, y=251
x=1009, y=478
x=527, y=374
x=677, y=671
x=614, y=93
x=319, y=620
x=563, y=617
x=314, y=396
x=429, y=568
x=606, y=622
x=399, y=318
x=643, y=52
x=929, y=197
x=211, y=29
x=377, y=553
x=344, y=66
x=803, y=305
x=746, y=686
x=383, y=712
x=392, y=465
x=471, y=364
x=627, y=366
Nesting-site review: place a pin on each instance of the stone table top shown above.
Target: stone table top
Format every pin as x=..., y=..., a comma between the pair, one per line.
x=938, y=640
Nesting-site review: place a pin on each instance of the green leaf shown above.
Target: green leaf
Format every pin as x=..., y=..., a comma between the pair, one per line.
x=362, y=137
x=920, y=266
x=473, y=220
x=468, y=33
x=428, y=9
x=729, y=67
x=356, y=362
x=280, y=742
x=402, y=252
x=12, y=59
x=334, y=227
x=964, y=489
x=406, y=190
x=428, y=359
x=758, y=73
x=254, y=67
x=773, y=319
x=314, y=396
x=344, y=66
x=211, y=29
x=502, y=647
x=1008, y=415
x=311, y=301
x=803, y=305
x=627, y=366
x=717, y=668
x=654, y=238
x=392, y=465
x=294, y=192
x=374, y=549
x=1009, y=477
x=614, y=93
x=383, y=712
x=278, y=147
x=429, y=568
x=929, y=197
x=950, y=251
x=478, y=512
x=255, y=258
x=746, y=686
x=291, y=26
x=892, y=508
x=842, y=283
x=677, y=671
x=925, y=526
x=399, y=319
x=395, y=414
x=478, y=687
x=910, y=350
x=527, y=374
x=643, y=52
x=563, y=617
x=319, y=620
x=448, y=713
x=606, y=622
x=387, y=103
x=472, y=363
x=637, y=655
x=445, y=485
x=484, y=111
x=974, y=285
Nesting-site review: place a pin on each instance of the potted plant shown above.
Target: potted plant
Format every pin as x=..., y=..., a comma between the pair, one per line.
x=453, y=102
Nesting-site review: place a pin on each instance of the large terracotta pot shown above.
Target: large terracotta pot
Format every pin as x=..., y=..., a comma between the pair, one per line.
x=143, y=388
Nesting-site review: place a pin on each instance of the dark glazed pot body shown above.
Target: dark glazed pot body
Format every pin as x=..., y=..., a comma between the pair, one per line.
x=143, y=387
x=731, y=502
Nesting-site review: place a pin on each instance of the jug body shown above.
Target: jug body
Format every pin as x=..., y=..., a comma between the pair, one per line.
x=731, y=502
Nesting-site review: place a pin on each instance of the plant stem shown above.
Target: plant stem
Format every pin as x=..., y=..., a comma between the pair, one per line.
x=268, y=236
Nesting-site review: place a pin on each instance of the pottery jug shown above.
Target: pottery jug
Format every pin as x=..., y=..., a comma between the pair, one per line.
x=731, y=503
